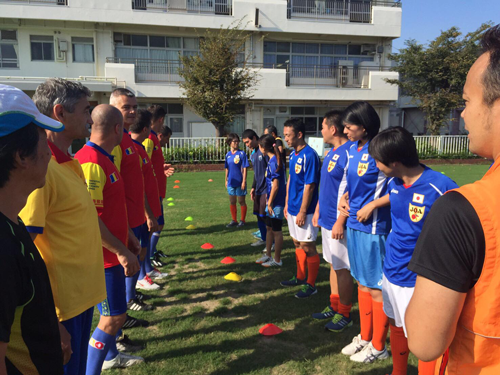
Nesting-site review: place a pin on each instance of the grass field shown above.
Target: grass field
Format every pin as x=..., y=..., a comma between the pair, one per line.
x=204, y=324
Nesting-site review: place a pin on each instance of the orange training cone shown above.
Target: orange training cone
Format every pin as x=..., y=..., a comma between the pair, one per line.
x=228, y=260
x=210, y=180
x=207, y=246
x=176, y=187
x=270, y=330
x=177, y=181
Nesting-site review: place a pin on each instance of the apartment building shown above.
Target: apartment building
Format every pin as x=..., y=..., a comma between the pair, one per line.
x=312, y=55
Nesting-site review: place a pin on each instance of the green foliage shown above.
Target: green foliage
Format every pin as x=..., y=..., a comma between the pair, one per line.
x=216, y=80
x=199, y=154
x=434, y=75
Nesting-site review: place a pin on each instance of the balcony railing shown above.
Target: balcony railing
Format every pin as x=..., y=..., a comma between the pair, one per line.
x=222, y=7
x=36, y=2
x=336, y=10
x=146, y=70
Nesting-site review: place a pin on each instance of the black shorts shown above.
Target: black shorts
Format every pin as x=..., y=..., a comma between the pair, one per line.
x=274, y=224
x=259, y=205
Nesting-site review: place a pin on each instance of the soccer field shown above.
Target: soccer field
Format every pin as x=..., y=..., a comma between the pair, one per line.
x=204, y=324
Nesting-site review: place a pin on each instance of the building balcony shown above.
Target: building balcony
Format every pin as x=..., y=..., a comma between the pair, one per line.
x=220, y=7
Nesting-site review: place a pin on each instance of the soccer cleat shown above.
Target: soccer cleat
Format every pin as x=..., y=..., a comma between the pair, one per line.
x=307, y=291
x=157, y=275
x=241, y=224
x=272, y=263
x=327, y=313
x=156, y=261
x=256, y=233
x=161, y=254
x=258, y=243
x=339, y=323
x=369, y=354
x=232, y=224
x=136, y=305
x=272, y=249
x=133, y=322
x=122, y=360
x=141, y=296
x=262, y=259
x=124, y=344
x=293, y=282
x=146, y=284
x=355, y=346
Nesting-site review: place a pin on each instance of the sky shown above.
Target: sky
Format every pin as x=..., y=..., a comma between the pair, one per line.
x=424, y=20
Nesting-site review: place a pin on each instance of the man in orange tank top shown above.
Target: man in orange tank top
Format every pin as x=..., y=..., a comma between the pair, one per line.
x=455, y=308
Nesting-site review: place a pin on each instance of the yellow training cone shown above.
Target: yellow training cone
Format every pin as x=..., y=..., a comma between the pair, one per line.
x=233, y=276
x=191, y=227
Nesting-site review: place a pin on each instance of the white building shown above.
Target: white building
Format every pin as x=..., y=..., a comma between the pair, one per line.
x=312, y=55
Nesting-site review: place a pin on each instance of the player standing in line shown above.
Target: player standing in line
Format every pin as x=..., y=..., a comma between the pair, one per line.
x=368, y=225
x=236, y=165
x=413, y=189
x=301, y=201
x=258, y=192
x=106, y=188
x=333, y=184
x=275, y=206
x=271, y=129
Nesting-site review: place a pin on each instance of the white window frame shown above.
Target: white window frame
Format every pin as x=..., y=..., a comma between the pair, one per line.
x=13, y=42
x=81, y=42
x=42, y=42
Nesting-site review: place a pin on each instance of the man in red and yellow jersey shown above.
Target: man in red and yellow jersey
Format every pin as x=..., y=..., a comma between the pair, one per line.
x=455, y=304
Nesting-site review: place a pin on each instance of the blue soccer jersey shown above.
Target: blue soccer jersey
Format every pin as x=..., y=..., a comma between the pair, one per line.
x=259, y=164
x=273, y=174
x=235, y=162
x=304, y=170
x=365, y=183
x=333, y=184
x=409, y=208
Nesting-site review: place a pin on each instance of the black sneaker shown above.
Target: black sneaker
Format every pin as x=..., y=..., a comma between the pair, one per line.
x=133, y=323
x=241, y=224
x=141, y=296
x=232, y=224
x=136, y=305
x=161, y=254
x=155, y=260
x=124, y=344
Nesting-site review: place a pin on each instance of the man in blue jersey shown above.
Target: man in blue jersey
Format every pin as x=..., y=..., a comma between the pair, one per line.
x=236, y=166
x=258, y=192
x=301, y=200
x=413, y=189
x=333, y=183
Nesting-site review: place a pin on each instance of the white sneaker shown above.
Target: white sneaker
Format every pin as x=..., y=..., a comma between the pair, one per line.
x=263, y=259
x=122, y=360
x=272, y=263
x=157, y=275
x=258, y=243
x=272, y=249
x=355, y=346
x=146, y=284
x=369, y=354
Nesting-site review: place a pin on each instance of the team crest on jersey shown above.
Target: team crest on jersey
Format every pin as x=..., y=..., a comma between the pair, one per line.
x=129, y=151
x=362, y=168
x=364, y=157
x=336, y=157
x=96, y=344
x=418, y=198
x=331, y=165
x=113, y=178
x=298, y=168
x=416, y=213
x=145, y=161
x=156, y=148
x=237, y=159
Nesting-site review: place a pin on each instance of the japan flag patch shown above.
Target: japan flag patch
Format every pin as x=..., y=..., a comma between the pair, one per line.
x=96, y=344
x=418, y=198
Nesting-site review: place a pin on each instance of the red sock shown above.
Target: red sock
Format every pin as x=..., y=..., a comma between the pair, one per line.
x=312, y=268
x=380, y=326
x=344, y=309
x=243, y=213
x=365, y=315
x=400, y=351
x=301, y=256
x=427, y=368
x=334, y=302
x=234, y=211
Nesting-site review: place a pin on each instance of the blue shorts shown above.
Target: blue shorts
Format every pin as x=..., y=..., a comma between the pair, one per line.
x=236, y=191
x=142, y=234
x=116, y=301
x=278, y=213
x=161, y=219
x=366, y=257
x=79, y=329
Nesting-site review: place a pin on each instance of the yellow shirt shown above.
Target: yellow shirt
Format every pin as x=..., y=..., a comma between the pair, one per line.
x=149, y=146
x=65, y=219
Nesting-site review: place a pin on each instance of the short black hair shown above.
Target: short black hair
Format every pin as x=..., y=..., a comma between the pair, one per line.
x=157, y=111
x=362, y=114
x=120, y=91
x=297, y=125
x=394, y=145
x=165, y=130
x=272, y=129
x=24, y=142
x=490, y=43
x=250, y=134
x=334, y=118
x=142, y=121
x=231, y=137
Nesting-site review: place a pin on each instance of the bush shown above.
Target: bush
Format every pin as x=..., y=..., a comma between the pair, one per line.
x=198, y=154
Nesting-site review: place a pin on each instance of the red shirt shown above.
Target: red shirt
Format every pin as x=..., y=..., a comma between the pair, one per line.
x=128, y=163
x=150, y=183
x=107, y=190
x=158, y=160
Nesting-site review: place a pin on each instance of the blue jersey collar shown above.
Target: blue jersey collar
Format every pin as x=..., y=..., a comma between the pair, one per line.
x=140, y=144
x=101, y=150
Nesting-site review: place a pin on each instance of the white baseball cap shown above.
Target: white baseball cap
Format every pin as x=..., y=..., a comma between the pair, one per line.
x=18, y=110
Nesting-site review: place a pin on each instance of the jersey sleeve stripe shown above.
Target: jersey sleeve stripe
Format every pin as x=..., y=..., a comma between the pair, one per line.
x=37, y=230
x=380, y=184
x=435, y=188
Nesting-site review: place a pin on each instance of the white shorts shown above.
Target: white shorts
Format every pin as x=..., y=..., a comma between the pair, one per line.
x=306, y=233
x=334, y=251
x=396, y=301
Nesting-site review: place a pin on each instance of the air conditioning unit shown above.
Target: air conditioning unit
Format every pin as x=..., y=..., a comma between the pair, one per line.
x=368, y=49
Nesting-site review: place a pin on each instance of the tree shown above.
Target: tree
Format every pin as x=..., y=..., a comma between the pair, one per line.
x=218, y=79
x=434, y=75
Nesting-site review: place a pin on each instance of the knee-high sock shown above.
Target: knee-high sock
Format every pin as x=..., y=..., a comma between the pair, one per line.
x=312, y=269
x=365, y=315
x=99, y=345
x=153, y=241
x=243, y=213
x=142, y=272
x=301, y=258
x=400, y=351
x=334, y=302
x=344, y=309
x=262, y=228
x=130, y=282
x=234, y=211
x=427, y=368
x=380, y=326
x=148, y=267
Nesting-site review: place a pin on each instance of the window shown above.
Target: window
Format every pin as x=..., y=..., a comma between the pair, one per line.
x=174, y=118
x=175, y=124
x=83, y=49
x=42, y=48
x=8, y=49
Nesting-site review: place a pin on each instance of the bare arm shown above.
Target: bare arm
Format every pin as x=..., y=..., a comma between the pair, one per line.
x=425, y=319
x=286, y=199
x=227, y=171
x=3, y=351
x=151, y=219
x=244, y=182
x=365, y=212
x=306, y=201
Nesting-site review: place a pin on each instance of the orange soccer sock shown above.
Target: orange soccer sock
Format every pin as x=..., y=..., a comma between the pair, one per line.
x=234, y=211
x=312, y=268
x=243, y=213
x=427, y=368
x=365, y=315
x=380, y=326
x=344, y=309
x=400, y=351
x=301, y=258
x=334, y=302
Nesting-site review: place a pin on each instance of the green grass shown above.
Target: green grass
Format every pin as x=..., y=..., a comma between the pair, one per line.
x=204, y=324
